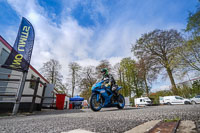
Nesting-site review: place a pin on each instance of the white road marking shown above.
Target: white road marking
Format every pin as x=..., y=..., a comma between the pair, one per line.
x=78, y=131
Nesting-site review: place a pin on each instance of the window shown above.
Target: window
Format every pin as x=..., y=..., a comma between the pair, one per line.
x=140, y=100
x=32, y=83
x=180, y=98
x=198, y=96
x=3, y=56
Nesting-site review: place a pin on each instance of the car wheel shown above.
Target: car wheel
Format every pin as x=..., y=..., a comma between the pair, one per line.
x=169, y=103
x=186, y=102
x=193, y=102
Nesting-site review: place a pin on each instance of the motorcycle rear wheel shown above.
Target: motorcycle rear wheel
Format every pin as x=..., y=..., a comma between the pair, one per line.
x=121, y=102
x=95, y=106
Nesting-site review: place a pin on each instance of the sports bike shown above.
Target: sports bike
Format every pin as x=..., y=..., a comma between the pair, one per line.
x=102, y=96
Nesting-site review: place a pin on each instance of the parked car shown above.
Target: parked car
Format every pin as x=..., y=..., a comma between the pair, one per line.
x=195, y=99
x=143, y=101
x=175, y=100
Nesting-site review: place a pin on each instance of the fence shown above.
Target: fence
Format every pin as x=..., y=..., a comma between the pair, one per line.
x=9, y=88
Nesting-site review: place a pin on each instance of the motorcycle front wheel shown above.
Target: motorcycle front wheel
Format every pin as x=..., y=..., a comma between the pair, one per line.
x=121, y=102
x=94, y=104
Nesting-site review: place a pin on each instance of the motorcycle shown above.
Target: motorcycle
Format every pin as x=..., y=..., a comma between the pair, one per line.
x=103, y=97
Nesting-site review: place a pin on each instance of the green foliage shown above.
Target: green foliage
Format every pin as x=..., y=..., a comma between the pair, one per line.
x=185, y=91
x=194, y=21
x=130, y=80
x=86, y=93
x=132, y=101
x=172, y=120
x=189, y=53
x=196, y=87
x=159, y=46
x=189, y=92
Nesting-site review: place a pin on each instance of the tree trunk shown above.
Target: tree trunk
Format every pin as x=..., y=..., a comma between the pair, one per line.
x=146, y=86
x=174, y=89
x=73, y=82
x=120, y=77
x=52, y=80
x=136, y=87
x=123, y=80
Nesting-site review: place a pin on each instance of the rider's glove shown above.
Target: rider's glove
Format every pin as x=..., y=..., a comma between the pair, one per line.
x=106, y=85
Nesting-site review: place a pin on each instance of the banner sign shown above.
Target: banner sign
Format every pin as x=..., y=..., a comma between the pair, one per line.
x=20, y=56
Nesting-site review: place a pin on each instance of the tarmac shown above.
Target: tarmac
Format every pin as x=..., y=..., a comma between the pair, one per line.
x=184, y=127
x=108, y=120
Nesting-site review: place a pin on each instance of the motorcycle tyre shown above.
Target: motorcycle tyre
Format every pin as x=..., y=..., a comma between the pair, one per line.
x=118, y=106
x=91, y=105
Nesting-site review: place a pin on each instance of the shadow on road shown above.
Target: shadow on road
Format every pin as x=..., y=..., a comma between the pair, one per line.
x=57, y=112
x=67, y=111
x=116, y=109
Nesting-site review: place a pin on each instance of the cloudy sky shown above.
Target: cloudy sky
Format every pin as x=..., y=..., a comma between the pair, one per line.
x=88, y=31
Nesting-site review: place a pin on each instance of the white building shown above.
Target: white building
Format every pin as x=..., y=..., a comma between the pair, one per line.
x=10, y=88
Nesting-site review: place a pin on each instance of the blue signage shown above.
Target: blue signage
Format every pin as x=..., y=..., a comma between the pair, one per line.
x=20, y=56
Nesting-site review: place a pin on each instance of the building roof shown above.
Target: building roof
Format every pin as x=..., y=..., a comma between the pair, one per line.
x=31, y=67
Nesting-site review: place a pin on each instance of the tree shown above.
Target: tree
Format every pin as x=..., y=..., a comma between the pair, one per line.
x=74, y=72
x=189, y=53
x=147, y=72
x=196, y=87
x=62, y=88
x=86, y=94
x=51, y=71
x=131, y=82
x=87, y=77
x=159, y=46
x=193, y=22
x=118, y=73
x=87, y=80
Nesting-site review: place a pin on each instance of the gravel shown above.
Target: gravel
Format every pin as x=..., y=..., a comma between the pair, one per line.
x=109, y=120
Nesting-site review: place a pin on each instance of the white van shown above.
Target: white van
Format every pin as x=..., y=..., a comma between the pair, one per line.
x=143, y=101
x=161, y=100
x=175, y=100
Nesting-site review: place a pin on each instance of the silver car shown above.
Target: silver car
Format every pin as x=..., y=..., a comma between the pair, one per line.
x=195, y=99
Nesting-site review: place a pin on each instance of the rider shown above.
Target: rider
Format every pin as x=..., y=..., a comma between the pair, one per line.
x=109, y=80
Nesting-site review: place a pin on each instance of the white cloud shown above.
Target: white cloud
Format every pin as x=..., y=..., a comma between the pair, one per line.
x=114, y=60
x=88, y=62
x=93, y=62
x=64, y=43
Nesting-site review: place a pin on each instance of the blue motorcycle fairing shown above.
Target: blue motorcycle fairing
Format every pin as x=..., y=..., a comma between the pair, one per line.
x=118, y=88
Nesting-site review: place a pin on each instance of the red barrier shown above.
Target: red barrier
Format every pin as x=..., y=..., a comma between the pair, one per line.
x=60, y=101
x=70, y=106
